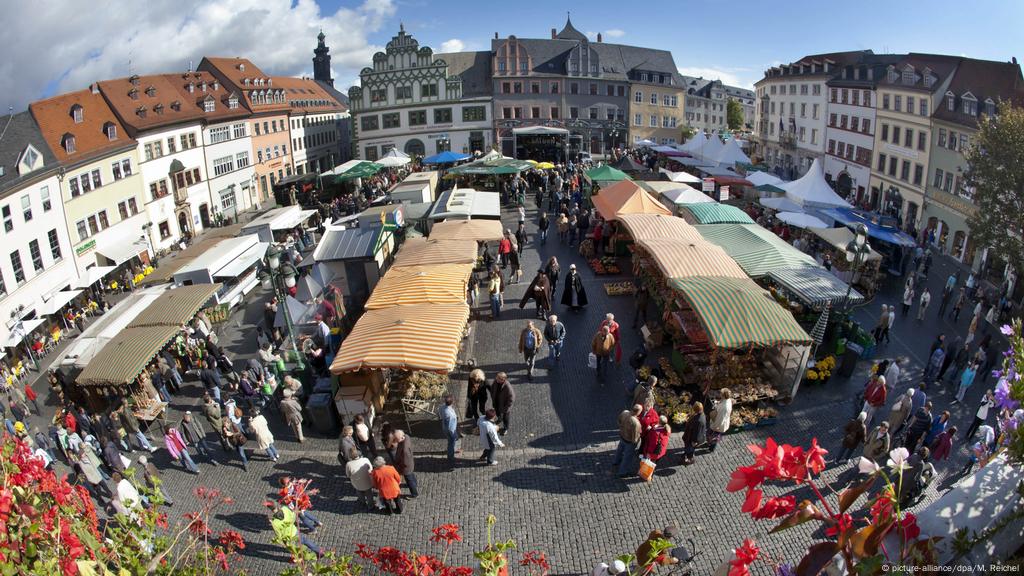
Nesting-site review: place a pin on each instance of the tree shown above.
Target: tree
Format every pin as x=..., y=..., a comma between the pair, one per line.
x=734, y=114
x=687, y=133
x=995, y=171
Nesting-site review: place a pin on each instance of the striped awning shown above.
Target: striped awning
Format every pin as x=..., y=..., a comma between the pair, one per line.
x=714, y=213
x=737, y=313
x=477, y=230
x=417, y=337
x=757, y=250
x=626, y=197
x=814, y=286
x=681, y=259
x=438, y=284
x=658, y=226
x=425, y=251
x=125, y=356
x=176, y=307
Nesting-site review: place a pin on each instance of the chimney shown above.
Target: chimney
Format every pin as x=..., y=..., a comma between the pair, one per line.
x=241, y=67
x=598, y=36
x=1014, y=60
x=95, y=88
x=553, y=33
x=495, y=35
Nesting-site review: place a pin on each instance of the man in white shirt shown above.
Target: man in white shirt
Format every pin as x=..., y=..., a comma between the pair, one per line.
x=357, y=469
x=892, y=373
x=126, y=497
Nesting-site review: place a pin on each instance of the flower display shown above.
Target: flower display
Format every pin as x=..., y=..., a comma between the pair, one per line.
x=822, y=369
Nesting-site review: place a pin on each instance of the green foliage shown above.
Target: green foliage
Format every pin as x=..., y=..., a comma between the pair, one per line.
x=996, y=173
x=734, y=115
x=686, y=133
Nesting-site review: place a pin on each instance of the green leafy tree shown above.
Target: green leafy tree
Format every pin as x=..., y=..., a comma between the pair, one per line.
x=734, y=114
x=687, y=133
x=995, y=171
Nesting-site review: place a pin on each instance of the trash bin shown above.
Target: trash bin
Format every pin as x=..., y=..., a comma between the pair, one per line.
x=850, y=357
x=320, y=409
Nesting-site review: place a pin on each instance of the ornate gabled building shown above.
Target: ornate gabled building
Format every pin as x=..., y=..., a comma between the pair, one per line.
x=419, y=103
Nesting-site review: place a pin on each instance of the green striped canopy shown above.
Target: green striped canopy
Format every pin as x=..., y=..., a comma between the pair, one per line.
x=360, y=170
x=606, y=174
x=715, y=213
x=757, y=250
x=737, y=313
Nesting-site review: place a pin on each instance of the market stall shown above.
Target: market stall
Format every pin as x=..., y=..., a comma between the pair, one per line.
x=432, y=284
x=233, y=262
x=117, y=370
x=713, y=213
x=605, y=174
x=812, y=190
x=355, y=259
x=427, y=251
x=176, y=307
x=353, y=169
x=833, y=241
x=680, y=177
x=658, y=226
x=466, y=204
x=893, y=244
x=478, y=230
x=626, y=197
x=813, y=287
x=679, y=259
x=277, y=224
x=755, y=249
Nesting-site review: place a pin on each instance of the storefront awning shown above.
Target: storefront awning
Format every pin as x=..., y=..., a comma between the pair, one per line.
x=680, y=259
x=93, y=275
x=121, y=252
x=478, y=230
x=20, y=331
x=418, y=337
x=425, y=251
x=252, y=255
x=757, y=250
x=56, y=302
x=659, y=226
x=814, y=286
x=435, y=284
x=737, y=313
x=126, y=355
x=176, y=307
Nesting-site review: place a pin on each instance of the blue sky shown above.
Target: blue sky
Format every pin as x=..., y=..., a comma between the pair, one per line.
x=737, y=39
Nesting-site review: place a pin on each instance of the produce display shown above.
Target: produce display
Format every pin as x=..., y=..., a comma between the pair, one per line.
x=606, y=265
x=821, y=370
x=747, y=416
x=424, y=385
x=587, y=248
x=619, y=288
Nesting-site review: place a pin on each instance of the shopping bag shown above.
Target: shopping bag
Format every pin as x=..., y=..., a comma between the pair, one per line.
x=647, y=467
x=592, y=361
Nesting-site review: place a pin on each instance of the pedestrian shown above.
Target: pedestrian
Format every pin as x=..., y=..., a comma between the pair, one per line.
x=854, y=434
x=476, y=394
x=655, y=440
x=292, y=412
x=358, y=471
x=554, y=333
x=918, y=427
x=920, y=398
x=966, y=380
x=450, y=427
x=264, y=437
x=892, y=320
x=111, y=455
x=926, y=299
x=363, y=433
x=900, y=410
x=939, y=425
x=942, y=446
x=127, y=499
x=494, y=284
x=542, y=227
x=931, y=372
x=529, y=345
x=553, y=270
x=285, y=524
x=988, y=401
x=539, y=291
x=234, y=437
x=574, y=295
x=961, y=299
x=489, y=438
x=972, y=329
x=178, y=449
x=213, y=417
x=877, y=446
x=892, y=371
x=563, y=227
x=194, y=435
x=908, y=298
x=472, y=287
x=387, y=481
x=151, y=476
x=520, y=235
x=641, y=299
x=883, y=323
x=950, y=351
x=947, y=295
x=211, y=381
x=505, y=247
x=874, y=396
x=132, y=428
x=295, y=493
x=503, y=397
x=694, y=432
x=962, y=357
x=346, y=442
x=405, y=461
x=630, y=435
x=613, y=328
x=602, y=346
x=515, y=271
x=719, y=421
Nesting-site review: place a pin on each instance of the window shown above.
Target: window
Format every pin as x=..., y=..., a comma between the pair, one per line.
x=922, y=138
x=220, y=134
x=44, y=195
x=76, y=114
x=403, y=92
x=949, y=182
x=897, y=103
x=881, y=162
x=855, y=97
x=654, y=121
x=638, y=97
x=85, y=182
x=970, y=106
x=428, y=90
x=238, y=130
x=554, y=113
x=370, y=152
x=905, y=171
x=885, y=101
x=277, y=150
x=814, y=135
x=26, y=207
x=506, y=112
x=227, y=199
x=158, y=189
x=674, y=101
x=842, y=121
x=814, y=112
x=517, y=87
x=574, y=112
x=865, y=126
x=188, y=141
x=885, y=133
x=574, y=88
x=918, y=174
x=171, y=147
x=369, y=122
x=553, y=88
x=392, y=120
x=165, y=230
x=474, y=113
x=654, y=98
x=908, y=138
x=110, y=130
x=19, y=272
x=534, y=87
x=892, y=166
x=257, y=125
x=592, y=113
x=832, y=94
x=952, y=140
x=896, y=135
x=831, y=146
x=115, y=168
x=442, y=116
x=938, y=178
x=854, y=121
x=208, y=105
x=68, y=142
x=378, y=95
x=223, y=165
x=593, y=89
x=522, y=66
x=964, y=142
x=417, y=117
x=535, y=112
x=924, y=107
x=942, y=137
x=950, y=102
x=54, y=245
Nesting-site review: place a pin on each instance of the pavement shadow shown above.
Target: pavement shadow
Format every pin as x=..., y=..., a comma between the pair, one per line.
x=564, y=474
x=247, y=521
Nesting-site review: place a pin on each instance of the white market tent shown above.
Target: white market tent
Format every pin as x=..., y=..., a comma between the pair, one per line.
x=394, y=158
x=711, y=149
x=801, y=220
x=780, y=204
x=685, y=195
x=759, y=178
x=682, y=177
x=812, y=190
x=731, y=153
x=694, y=144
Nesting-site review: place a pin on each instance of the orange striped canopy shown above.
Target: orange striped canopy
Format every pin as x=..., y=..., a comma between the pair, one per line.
x=482, y=230
x=416, y=337
x=427, y=251
x=626, y=197
x=439, y=284
x=659, y=226
x=684, y=259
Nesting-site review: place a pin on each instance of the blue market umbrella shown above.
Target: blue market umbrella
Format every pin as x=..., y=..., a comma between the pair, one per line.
x=446, y=157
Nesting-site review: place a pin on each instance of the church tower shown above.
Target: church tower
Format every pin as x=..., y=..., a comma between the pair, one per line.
x=322, y=61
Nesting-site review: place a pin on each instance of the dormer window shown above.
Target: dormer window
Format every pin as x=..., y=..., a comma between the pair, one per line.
x=209, y=104
x=30, y=160
x=970, y=104
x=241, y=67
x=110, y=129
x=203, y=86
x=77, y=113
x=150, y=91
x=191, y=87
x=67, y=142
x=176, y=105
x=159, y=109
x=133, y=94
x=141, y=111
x=245, y=81
x=990, y=107
x=950, y=102
x=134, y=79
x=909, y=77
x=233, y=102
x=893, y=75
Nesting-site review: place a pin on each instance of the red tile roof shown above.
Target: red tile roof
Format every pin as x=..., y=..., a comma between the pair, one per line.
x=248, y=80
x=306, y=95
x=56, y=120
x=983, y=79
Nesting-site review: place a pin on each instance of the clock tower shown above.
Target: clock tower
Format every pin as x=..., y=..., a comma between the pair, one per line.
x=322, y=61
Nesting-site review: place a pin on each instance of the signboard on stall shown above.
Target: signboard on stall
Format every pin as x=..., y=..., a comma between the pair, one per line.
x=707, y=185
x=723, y=193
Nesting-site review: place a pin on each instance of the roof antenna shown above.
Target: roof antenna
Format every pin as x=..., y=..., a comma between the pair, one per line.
x=10, y=117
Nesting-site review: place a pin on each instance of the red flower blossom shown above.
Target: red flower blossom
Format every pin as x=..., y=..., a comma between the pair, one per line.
x=816, y=457
x=231, y=540
x=536, y=558
x=768, y=458
x=745, y=477
x=909, y=527
x=745, y=556
x=363, y=551
x=775, y=508
x=882, y=510
x=753, y=501
x=794, y=464
x=446, y=533
x=844, y=523
x=196, y=524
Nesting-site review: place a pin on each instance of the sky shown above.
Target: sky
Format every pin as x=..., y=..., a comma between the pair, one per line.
x=57, y=47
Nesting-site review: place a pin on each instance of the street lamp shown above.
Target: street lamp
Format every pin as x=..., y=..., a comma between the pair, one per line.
x=280, y=276
x=856, y=251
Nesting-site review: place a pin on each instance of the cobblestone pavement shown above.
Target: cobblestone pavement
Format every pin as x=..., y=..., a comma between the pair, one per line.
x=553, y=489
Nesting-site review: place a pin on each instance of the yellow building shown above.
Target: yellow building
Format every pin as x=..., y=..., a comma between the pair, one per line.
x=655, y=107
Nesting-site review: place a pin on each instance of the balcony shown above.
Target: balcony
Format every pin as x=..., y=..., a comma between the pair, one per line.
x=788, y=140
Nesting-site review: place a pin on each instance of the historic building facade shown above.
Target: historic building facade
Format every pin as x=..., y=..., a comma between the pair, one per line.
x=656, y=100
x=314, y=125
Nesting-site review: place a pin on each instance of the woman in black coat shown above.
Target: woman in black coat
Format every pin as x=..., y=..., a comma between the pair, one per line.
x=476, y=395
x=574, y=295
x=694, y=432
x=553, y=270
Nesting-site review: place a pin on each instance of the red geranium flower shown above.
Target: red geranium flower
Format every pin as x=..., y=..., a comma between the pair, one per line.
x=910, y=528
x=844, y=523
x=753, y=501
x=446, y=533
x=816, y=457
x=775, y=508
x=745, y=556
x=745, y=477
x=768, y=458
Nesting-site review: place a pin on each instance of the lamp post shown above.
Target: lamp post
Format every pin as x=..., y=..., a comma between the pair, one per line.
x=856, y=251
x=280, y=276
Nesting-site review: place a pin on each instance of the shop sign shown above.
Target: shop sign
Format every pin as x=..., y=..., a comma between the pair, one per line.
x=723, y=193
x=707, y=185
x=91, y=244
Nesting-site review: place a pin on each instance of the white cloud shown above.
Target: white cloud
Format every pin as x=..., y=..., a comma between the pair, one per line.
x=277, y=35
x=728, y=76
x=453, y=45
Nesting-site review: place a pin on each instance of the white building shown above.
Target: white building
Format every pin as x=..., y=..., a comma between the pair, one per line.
x=704, y=107
x=418, y=102
x=37, y=260
x=316, y=119
x=745, y=98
